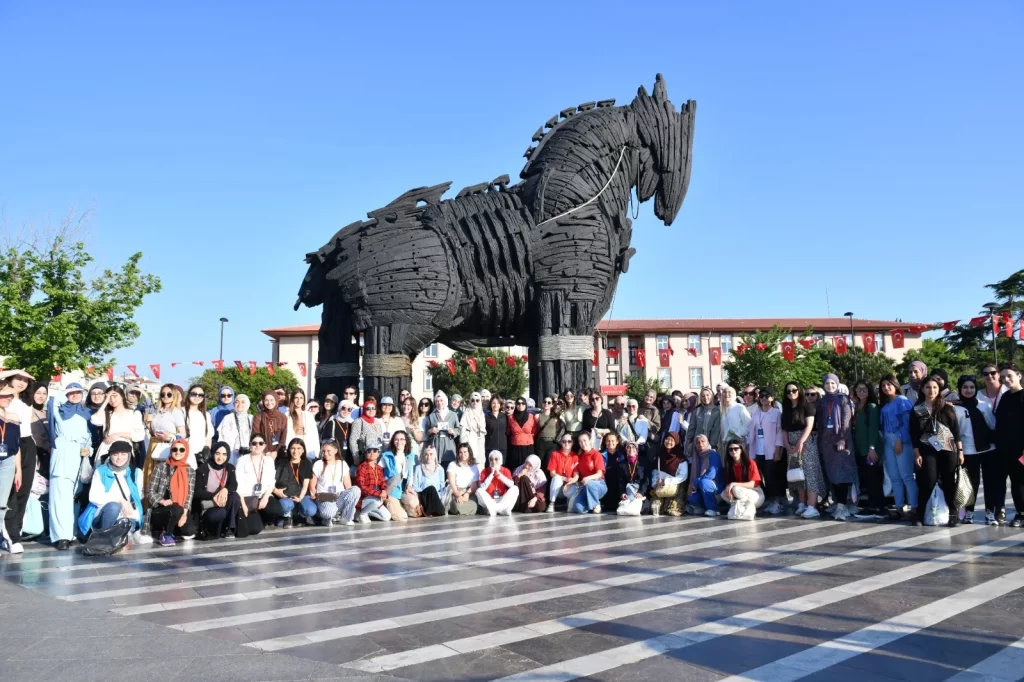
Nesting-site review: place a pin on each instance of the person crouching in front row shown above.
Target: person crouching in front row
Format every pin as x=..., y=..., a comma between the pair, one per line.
x=532, y=484
x=171, y=487
x=592, y=486
x=705, y=479
x=215, y=503
x=255, y=474
x=373, y=485
x=497, y=492
x=113, y=494
x=742, y=483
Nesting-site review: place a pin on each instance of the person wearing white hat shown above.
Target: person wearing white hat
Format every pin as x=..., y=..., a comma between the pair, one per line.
x=497, y=492
x=10, y=463
x=69, y=460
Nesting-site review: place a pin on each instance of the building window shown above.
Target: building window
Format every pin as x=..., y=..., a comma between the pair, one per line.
x=788, y=337
x=849, y=339
x=611, y=379
x=635, y=372
x=696, y=377
x=430, y=351
x=725, y=376
x=665, y=377
x=880, y=342
x=693, y=342
x=604, y=342
x=662, y=340
x=818, y=339
x=428, y=381
x=632, y=353
x=725, y=341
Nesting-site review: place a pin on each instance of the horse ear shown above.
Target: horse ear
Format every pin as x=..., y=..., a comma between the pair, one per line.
x=660, y=92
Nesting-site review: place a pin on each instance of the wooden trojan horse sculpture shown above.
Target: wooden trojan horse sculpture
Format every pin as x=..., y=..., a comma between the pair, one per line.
x=532, y=264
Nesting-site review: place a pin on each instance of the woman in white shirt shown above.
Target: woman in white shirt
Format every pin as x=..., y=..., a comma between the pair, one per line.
x=977, y=425
x=119, y=422
x=389, y=419
x=735, y=417
x=302, y=424
x=333, y=492
x=198, y=426
x=236, y=428
x=256, y=475
x=463, y=480
x=167, y=422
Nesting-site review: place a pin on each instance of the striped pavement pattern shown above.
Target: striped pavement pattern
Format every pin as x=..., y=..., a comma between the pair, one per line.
x=564, y=597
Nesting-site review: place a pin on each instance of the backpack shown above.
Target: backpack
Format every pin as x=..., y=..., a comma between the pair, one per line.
x=109, y=540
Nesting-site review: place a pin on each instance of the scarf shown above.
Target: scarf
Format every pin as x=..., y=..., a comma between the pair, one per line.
x=521, y=416
x=431, y=466
x=670, y=460
x=703, y=462
x=924, y=374
x=179, y=477
x=536, y=477
x=442, y=411
x=362, y=413
x=982, y=434
x=213, y=465
x=32, y=394
x=69, y=409
x=833, y=404
x=474, y=419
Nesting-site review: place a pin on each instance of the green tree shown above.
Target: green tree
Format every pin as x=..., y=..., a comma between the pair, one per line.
x=637, y=387
x=252, y=385
x=869, y=366
x=762, y=363
x=936, y=353
x=52, y=316
x=507, y=381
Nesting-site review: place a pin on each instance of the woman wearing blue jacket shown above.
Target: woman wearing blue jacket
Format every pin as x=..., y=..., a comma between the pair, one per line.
x=706, y=482
x=72, y=445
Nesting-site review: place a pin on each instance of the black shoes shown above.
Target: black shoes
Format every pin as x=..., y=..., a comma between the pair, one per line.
x=63, y=545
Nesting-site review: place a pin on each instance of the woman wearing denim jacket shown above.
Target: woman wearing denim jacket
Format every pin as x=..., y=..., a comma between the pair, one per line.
x=897, y=448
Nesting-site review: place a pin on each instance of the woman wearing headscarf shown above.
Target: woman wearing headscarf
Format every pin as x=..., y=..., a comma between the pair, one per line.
x=225, y=406
x=93, y=402
x=948, y=394
x=429, y=483
x=735, y=418
x=867, y=447
x=442, y=430
x=532, y=484
x=39, y=426
x=215, y=500
x=473, y=425
x=170, y=498
x=335, y=496
x=706, y=420
x=668, y=480
x=301, y=423
x=365, y=429
x=834, y=419
x=236, y=428
x=706, y=482
x=496, y=422
x=918, y=373
x=72, y=445
x=497, y=492
x=977, y=422
x=631, y=482
x=270, y=423
x=113, y=494
x=522, y=429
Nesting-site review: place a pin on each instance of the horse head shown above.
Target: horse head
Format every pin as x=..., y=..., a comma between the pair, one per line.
x=666, y=141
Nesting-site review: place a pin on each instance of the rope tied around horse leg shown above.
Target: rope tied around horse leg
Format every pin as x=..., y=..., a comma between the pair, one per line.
x=566, y=348
x=397, y=365
x=332, y=370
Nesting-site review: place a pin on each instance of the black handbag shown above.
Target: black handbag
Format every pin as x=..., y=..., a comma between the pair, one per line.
x=109, y=540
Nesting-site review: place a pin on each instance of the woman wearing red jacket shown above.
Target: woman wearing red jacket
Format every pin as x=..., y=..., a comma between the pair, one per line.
x=497, y=492
x=522, y=429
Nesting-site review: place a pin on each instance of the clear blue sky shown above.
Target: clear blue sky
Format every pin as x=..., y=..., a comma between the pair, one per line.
x=874, y=147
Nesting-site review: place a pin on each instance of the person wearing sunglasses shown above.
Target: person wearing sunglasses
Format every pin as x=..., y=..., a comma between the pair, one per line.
x=473, y=425
x=167, y=424
x=373, y=484
x=198, y=426
x=270, y=423
x=993, y=388
x=597, y=421
x=365, y=429
x=225, y=406
x=313, y=407
x=256, y=475
x=170, y=495
x=236, y=428
x=443, y=430
x=351, y=394
x=113, y=495
x=742, y=481
x=338, y=428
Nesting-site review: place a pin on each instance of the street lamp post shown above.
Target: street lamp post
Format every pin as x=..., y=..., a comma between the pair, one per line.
x=853, y=348
x=991, y=308
x=222, y=321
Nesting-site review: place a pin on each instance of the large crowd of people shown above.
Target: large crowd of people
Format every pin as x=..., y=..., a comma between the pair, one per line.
x=78, y=461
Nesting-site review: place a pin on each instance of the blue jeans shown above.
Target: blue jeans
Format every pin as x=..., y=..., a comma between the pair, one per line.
x=704, y=491
x=306, y=507
x=901, y=470
x=107, y=516
x=7, y=483
x=590, y=496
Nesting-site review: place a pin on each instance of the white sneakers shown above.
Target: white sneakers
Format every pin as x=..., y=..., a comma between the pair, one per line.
x=774, y=508
x=990, y=519
x=551, y=508
x=139, y=539
x=841, y=513
x=6, y=544
x=801, y=508
x=810, y=513
x=711, y=512
x=364, y=518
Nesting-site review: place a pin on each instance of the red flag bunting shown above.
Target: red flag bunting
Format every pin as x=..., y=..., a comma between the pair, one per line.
x=921, y=328
x=789, y=350
x=494, y=363
x=451, y=366
x=526, y=358
x=976, y=321
x=252, y=367
x=155, y=369
x=948, y=326
x=869, y=342
x=281, y=364
x=641, y=358
x=716, y=356
x=664, y=359
x=761, y=346
x=174, y=364
x=198, y=362
x=670, y=350
x=510, y=361
x=490, y=361
x=740, y=349
x=239, y=365
x=840, y=344
x=218, y=365
x=806, y=343
x=110, y=373
x=270, y=367
x=432, y=363
x=692, y=351
x=302, y=369
x=472, y=364
x=134, y=370
x=1008, y=325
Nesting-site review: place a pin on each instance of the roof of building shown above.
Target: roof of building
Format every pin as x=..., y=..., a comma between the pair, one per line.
x=694, y=325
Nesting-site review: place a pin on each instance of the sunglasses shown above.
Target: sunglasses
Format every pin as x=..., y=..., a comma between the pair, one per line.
x=370, y=407
x=567, y=441
x=346, y=409
x=258, y=442
x=474, y=400
x=196, y=395
x=520, y=403
x=792, y=390
x=990, y=374
x=175, y=450
x=547, y=402
x=226, y=395
x=735, y=449
x=166, y=394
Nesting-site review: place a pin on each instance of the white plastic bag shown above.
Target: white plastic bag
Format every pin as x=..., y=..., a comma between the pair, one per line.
x=886, y=483
x=936, y=513
x=631, y=507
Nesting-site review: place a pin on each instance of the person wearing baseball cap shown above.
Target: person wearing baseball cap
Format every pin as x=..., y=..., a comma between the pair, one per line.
x=72, y=448
x=372, y=484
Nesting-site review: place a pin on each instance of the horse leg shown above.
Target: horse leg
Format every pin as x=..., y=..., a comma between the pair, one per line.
x=565, y=347
x=338, y=356
x=388, y=353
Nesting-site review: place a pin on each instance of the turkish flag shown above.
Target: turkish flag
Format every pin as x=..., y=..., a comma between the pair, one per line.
x=472, y=364
x=270, y=367
x=239, y=365
x=198, y=362
x=110, y=373
x=948, y=326
x=281, y=364
x=432, y=363
x=613, y=353
x=155, y=369
x=494, y=363
x=692, y=351
x=869, y=342
x=761, y=346
x=806, y=343
x=919, y=328
x=218, y=365
x=897, y=338
x=976, y=321
x=60, y=375
x=663, y=358
x=252, y=367
x=789, y=350
x=510, y=361
x=716, y=356
x=840, y=344
x=1008, y=325
x=740, y=349
x=174, y=364
x=133, y=369
x=302, y=368
x=670, y=350
x=451, y=365
x=641, y=358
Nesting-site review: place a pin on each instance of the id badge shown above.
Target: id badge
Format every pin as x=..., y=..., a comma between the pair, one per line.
x=760, y=442
x=332, y=490
x=934, y=442
x=829, y=424
x=257, y=490
x=274, y=440
x=3, y=449
x=386, y=437
x=497, y=495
